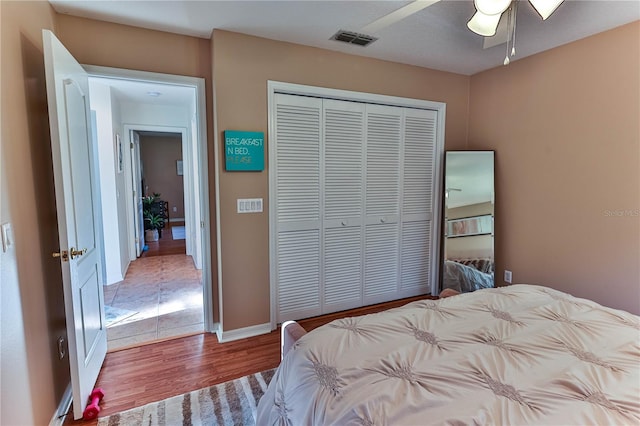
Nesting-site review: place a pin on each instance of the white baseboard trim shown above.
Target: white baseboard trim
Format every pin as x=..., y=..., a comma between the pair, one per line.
x=176, y=219
x=63, y=408
x=243, y=333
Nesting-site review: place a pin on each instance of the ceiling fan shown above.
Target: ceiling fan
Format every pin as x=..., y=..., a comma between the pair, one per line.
x=487, y=21
x=488, y=13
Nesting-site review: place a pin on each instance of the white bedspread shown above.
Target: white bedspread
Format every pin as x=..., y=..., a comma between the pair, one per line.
x=514, y=355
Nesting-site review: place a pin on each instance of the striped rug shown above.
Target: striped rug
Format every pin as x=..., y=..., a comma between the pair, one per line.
x=230, y=403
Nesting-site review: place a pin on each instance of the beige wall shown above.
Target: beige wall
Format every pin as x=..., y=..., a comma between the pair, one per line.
x=565, y=127
x=242, y=66
x=159, y=155
x=33, y=378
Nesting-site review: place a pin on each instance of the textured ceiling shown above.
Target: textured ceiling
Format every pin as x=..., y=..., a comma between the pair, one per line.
x=435, y=37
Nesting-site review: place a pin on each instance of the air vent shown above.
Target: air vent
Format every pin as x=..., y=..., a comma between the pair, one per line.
x=353, y=38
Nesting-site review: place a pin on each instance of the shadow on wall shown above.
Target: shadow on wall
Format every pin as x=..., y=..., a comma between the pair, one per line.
x=45, y=223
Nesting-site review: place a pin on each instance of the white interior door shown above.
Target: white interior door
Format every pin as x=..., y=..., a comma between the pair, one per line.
x=136, y=177
x=77, y=198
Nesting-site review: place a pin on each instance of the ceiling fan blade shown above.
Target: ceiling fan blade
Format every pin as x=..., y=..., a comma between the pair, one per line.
x=485, y=25
x=545, y=7
x=501, y=37
x=397, y=15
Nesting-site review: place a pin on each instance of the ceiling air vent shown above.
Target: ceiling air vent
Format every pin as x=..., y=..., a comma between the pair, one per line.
x=353, y=38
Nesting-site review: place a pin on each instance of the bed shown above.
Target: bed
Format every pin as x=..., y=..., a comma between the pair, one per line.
x=513, y=355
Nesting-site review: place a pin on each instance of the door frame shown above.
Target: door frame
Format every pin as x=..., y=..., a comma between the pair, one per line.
x=189, y=196
x=199, y=153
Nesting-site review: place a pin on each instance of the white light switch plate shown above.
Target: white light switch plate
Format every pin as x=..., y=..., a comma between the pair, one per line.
x=7, y=237
x=249, y=205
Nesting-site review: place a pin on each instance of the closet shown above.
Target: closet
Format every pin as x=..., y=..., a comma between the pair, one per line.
x=353, y=203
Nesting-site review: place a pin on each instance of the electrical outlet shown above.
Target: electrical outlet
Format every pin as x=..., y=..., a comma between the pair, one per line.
x=175, y=209
x=507, y=276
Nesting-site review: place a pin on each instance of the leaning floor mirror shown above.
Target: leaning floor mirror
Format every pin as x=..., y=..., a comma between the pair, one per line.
x=468, y=221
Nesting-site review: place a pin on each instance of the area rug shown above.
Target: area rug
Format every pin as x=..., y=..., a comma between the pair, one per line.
x=113, y=315
x=230, y=403
x=177, y=232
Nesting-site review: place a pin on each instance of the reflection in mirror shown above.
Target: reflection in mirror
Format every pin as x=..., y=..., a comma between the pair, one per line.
x=468, y=227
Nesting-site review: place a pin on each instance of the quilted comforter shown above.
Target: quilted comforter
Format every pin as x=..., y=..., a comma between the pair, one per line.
x=513, y=355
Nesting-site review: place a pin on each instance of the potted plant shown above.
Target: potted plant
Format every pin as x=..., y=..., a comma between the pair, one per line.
x=153, y=216
x=152, y=223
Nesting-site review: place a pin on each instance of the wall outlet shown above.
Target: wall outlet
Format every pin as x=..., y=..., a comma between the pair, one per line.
x=507, y=276
x=175, y=209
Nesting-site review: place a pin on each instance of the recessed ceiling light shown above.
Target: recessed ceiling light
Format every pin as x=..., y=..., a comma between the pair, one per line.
x=154, y=94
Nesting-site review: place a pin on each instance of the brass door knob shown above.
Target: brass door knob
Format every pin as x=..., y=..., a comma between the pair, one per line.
x=76, y=253
x=64, y=255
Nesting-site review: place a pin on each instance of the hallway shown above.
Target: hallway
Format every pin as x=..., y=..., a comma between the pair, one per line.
x=160, y=298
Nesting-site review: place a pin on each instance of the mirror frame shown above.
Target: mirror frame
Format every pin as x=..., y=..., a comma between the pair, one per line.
x=477, y=223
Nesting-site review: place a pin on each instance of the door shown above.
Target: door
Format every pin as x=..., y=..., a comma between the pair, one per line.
x=77, y=197
x=136, y=184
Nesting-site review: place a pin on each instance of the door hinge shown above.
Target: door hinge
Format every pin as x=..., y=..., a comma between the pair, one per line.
x=131, y=145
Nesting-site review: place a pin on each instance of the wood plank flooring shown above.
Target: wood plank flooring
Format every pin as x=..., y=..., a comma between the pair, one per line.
x=136, y=376
x=166, y=244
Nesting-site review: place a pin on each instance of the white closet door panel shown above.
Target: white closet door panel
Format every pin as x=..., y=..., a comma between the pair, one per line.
x=381, y=260
x=298, y=135
x=419, y=162
x=342, y=267
x=343, y=148
x=384, y=136
x=298, y=273
x=415, y=255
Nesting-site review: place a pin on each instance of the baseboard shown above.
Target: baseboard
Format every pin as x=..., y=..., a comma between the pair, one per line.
x=243, y=333
x=63, y=408
x=176, y=219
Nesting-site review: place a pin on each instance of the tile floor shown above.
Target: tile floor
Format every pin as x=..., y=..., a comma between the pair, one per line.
x=165, y=292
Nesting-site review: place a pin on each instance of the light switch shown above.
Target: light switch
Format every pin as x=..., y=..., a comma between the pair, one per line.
x=7, y=237
x=249, y=205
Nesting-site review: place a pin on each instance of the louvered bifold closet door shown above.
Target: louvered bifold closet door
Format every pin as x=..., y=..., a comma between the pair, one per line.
x=382, y=202
x=343, y=202
x=297, y=196
x=418, y=204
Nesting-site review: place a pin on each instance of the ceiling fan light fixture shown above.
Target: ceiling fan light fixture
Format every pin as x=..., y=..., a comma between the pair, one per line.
x=491, y=7
x=545, y=7
x=484, y=25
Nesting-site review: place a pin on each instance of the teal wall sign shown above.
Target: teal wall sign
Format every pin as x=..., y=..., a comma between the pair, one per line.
x=244, y=151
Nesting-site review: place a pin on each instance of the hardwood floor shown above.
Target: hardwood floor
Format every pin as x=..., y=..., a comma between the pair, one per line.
x=166, y=244
x=134, y=377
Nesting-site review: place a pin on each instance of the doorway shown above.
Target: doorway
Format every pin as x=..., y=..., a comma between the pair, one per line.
x=156, y=289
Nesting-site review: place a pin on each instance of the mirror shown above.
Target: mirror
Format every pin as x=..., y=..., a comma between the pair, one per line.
x=468, y=221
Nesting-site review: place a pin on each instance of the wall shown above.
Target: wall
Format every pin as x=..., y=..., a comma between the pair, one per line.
x=101, y=104
x=242, y=65
x=159, y=155
x=32, y=306
x=564, y=124
x=122, y=178
x=121, y=46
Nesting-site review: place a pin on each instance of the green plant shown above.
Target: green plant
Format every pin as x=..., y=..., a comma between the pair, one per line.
x=153, y=221
x=152, y=211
